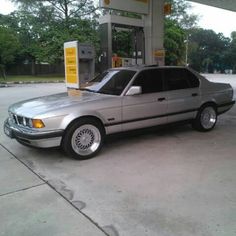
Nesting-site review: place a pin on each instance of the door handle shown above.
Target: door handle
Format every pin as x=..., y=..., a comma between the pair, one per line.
x=161, y=99
x=194, y=94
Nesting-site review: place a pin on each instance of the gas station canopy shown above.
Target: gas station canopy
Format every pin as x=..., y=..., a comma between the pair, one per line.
x=226, y=4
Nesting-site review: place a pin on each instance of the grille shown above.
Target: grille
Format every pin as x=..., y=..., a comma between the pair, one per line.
x=20, y=120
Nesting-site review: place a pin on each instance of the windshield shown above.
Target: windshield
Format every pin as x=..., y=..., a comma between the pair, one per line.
x=111, y=82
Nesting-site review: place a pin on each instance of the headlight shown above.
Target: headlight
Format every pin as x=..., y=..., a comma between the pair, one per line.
x=26, y=122
x=37, y=123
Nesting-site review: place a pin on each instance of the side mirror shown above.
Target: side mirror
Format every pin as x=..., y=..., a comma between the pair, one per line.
x=134, y=90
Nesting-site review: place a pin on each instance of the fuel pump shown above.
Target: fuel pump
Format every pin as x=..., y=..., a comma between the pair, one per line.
x=115, y=53
x=79, y=64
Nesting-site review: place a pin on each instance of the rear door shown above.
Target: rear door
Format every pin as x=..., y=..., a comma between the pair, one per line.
x=146, y=109
x=183, y=94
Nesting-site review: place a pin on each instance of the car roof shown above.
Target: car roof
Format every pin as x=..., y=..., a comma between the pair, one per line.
x=144, y=67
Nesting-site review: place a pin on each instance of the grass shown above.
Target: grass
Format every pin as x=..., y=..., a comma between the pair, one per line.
x=28, y=78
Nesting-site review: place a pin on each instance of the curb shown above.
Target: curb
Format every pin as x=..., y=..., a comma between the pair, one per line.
x=6, y=84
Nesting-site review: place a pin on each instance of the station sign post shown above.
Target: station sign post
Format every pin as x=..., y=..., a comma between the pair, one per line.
x=71, y=56
x=79, y=64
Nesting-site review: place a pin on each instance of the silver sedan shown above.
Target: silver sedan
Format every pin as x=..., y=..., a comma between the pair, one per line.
x=118, y=100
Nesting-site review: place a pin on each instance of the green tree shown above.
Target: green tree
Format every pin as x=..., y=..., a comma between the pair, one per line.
x=208, y=50
x=43, y=26
x=177, y=27
x=63, y=10
x=174, y=43
x=9, y=46
x=230, y=57
x=180, y=14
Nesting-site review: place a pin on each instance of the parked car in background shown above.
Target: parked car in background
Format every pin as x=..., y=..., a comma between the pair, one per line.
x=118, y=100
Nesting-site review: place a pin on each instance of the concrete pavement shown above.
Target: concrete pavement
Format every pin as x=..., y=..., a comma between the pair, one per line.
x=30, y=207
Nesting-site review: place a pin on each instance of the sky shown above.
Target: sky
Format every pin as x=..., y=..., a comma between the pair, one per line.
x=221, y=21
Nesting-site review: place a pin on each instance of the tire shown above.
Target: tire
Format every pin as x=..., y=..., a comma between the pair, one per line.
x=206, y=118
x=83, y=139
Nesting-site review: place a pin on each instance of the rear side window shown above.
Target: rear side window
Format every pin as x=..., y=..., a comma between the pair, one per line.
x=150, y=80
x=180, y=78
x=192, y=79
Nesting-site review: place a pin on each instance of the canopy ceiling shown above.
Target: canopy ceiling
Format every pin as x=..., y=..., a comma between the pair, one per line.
x=224, y=4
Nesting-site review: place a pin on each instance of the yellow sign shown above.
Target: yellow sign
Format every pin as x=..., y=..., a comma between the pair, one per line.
x=167, y=9
x=71, y=72
x=116, y=61
x=71, y=65
x=70, y=61
x=71, y=52
x=107, y=2
x=72, y=79
x=159, y=53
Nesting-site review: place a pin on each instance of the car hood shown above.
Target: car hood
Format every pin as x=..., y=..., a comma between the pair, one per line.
x=41, y=105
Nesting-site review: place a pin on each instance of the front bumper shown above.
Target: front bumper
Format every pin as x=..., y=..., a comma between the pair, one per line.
x=27, y=136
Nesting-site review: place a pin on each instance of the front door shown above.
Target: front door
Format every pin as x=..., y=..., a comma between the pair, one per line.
x=149, y=108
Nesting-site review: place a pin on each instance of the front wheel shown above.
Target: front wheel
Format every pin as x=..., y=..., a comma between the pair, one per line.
x=206, y=118
x=83, y=139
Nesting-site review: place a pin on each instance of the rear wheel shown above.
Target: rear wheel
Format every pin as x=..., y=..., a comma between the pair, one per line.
x=84, y=139
x=206, y=118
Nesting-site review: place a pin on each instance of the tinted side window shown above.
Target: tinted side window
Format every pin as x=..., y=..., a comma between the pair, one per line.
x=176, y=79
x=150, y=81
x=192, y=79
x=117, y=82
